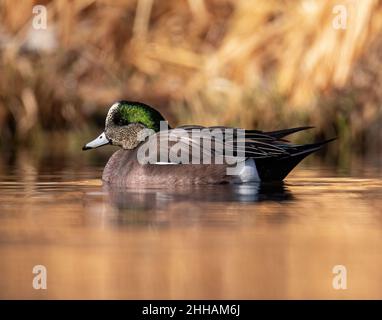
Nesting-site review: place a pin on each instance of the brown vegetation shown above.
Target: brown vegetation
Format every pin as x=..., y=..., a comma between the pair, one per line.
x=265, y=64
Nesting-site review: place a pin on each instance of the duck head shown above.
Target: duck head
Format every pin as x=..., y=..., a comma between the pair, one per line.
x=124, y=120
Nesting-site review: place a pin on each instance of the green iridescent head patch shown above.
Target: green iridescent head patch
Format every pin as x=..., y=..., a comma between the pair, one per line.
x=136, y=112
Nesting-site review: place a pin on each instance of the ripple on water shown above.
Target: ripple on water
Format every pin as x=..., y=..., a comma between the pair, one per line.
x=241, y=241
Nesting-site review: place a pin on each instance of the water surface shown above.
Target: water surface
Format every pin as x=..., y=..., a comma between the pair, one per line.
x=216, y=242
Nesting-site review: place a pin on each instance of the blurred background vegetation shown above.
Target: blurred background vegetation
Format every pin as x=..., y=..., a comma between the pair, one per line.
x=263, y=64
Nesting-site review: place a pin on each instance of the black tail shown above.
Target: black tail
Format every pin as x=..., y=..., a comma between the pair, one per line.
x=276, y=169
x=306, y=149
x=279, y=134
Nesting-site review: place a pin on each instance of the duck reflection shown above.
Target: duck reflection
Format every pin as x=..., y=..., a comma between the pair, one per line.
x=153, y=199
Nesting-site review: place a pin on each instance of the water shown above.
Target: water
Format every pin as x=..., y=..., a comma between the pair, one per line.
x=249, y=241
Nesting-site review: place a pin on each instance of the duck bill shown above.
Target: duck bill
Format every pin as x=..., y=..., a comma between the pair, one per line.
x=97, y=142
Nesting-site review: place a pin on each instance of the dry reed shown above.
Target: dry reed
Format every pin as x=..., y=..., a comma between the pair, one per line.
x=265, y=63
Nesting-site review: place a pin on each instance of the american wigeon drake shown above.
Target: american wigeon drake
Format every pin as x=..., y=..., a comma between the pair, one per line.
x=248, y=155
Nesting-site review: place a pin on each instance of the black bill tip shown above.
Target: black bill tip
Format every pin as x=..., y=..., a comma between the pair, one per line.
x=86, y=148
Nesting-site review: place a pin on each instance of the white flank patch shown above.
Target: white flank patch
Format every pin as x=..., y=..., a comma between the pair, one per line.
x=248, y=173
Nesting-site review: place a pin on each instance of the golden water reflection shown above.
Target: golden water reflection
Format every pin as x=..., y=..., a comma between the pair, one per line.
x=267, y=241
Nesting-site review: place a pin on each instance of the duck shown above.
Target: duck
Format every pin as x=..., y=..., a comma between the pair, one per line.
x=154, y=154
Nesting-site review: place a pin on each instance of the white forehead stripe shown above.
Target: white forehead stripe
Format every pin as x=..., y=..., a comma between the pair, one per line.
x=114, y=105
x=111, y=111
x=112, y=108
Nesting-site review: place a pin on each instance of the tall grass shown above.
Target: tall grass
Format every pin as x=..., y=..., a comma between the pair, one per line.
x=264, y=63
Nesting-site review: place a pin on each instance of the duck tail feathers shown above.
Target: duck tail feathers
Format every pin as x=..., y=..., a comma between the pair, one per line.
x=276, y=169
x=306, y=149
x=279, y=134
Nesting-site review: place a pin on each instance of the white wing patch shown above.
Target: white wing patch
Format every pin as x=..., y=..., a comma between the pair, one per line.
x=164, y=163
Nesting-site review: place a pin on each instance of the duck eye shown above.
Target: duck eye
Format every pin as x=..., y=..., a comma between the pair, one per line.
x=118, y=120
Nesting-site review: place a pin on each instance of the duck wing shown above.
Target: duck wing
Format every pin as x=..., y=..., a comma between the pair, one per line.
x=274, y=157
x=236, y=141
x=219, y=141
x=229, y=142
